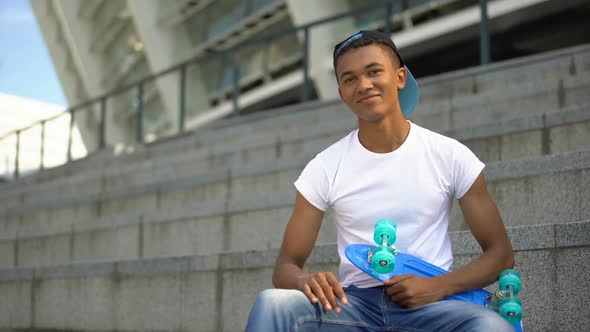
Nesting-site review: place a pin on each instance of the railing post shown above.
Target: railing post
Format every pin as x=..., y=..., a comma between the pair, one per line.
x=137, y=87
x=139, y=118
x=484, y=40
x=387, y=19
x=103, y=123
x=42, y=152
x=305, y=89
x=17, y=155
x=70, y=137
x=236, y=80
x=182, y=99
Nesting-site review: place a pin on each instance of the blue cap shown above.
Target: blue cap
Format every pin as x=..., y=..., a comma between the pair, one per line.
x=409, y=95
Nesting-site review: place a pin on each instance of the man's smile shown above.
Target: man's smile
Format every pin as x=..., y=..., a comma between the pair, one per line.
x=369, y=99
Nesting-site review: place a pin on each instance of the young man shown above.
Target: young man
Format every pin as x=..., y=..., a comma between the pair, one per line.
x=387, y=168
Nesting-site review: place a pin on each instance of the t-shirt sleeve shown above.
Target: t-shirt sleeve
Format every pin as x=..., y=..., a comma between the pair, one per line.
x=466, y=169
x=313, y=184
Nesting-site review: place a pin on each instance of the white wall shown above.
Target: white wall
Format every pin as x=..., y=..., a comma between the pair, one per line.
x=17, y=112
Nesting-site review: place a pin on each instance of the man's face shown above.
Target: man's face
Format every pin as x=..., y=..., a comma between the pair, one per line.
x=368, y=82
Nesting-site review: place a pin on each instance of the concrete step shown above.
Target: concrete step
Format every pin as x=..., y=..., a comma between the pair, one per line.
x=500, y=75
x=201, y=138
x=161, y=152
x=498, y=79
x=442, y=121
x=507, y=75
x=527, y=191
x=515, y=144
x=504, y=105
x=536, y=134
x=560, y=77
x=216, y=292
x=464, y=112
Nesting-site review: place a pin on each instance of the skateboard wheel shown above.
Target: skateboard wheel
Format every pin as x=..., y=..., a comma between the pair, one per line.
x=511, y=309
x=385, y=229
x=510, y=278
x=383, y=260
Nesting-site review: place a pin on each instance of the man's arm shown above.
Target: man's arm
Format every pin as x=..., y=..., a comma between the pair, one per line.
x=483, y=218
x=298, y=242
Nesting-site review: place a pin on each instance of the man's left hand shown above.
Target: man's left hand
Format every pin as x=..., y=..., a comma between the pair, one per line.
x=412, y=291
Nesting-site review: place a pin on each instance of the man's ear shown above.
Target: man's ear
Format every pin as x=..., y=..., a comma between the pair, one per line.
x=340, y=93
x=402, y=77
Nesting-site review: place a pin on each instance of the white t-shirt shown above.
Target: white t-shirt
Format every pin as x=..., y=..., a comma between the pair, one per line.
x=413, y=185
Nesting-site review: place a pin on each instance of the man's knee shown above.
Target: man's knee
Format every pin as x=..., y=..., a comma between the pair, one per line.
x=269, y=298
x=489, y=320
x=468, y=317
x=272, y=299
x=277, y=309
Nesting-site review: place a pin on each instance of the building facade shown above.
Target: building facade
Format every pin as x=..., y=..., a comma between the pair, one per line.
x=100, y=45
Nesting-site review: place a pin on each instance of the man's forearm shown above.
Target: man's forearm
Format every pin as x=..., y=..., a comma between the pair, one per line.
x=484, y=221
x=286, y=275
x=481, y=272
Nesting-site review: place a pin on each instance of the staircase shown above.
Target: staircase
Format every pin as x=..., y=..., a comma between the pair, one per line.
x=182, y=235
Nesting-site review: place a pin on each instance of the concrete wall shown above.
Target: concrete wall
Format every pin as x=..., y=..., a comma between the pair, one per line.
x=181, y=222
x=531, y=135
x=141, y=211
x=216, y=292
x=173, y=240
x=518, y=89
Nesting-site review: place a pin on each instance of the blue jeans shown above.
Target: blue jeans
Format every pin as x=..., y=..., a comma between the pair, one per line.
x=368, y=309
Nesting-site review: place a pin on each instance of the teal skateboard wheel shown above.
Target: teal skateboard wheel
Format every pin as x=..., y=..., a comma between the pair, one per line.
x=383, y=260
x=511, y=309
x=385, y=230
x=510, y=278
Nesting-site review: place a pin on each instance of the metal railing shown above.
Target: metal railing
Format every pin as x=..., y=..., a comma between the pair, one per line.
x=181, y=70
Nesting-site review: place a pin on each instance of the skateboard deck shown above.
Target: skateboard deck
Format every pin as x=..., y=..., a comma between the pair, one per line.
x=358, y=254
x=408, y=264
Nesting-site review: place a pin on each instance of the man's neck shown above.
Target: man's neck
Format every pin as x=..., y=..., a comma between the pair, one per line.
x=384, y=136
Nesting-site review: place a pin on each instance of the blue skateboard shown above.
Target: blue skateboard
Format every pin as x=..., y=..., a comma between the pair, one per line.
x=384, y=261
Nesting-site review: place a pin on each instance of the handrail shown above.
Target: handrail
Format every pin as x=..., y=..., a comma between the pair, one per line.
x=181, y=68
x=194, y=60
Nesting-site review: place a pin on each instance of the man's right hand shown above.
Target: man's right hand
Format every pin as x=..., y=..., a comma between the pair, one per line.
x=300, y=236
x=322, y=287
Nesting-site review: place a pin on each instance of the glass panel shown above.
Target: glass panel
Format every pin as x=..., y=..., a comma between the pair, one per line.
x=203, y=81
x=86, y=131
x=368, y=20
x=196, y=27
x=7, y=155
x=374, y=19
x=30, y=147
x=121, y=124
x=218, y=18
x=227, y=80
x=157, y=121
x=253, y=62
x=139, y=70
x=259, y=4
x=256, y=62
x=124, y=54
x=284, y=51
x=216, y=70
x=224, y=14
x=109, y=10
x=56, y=141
